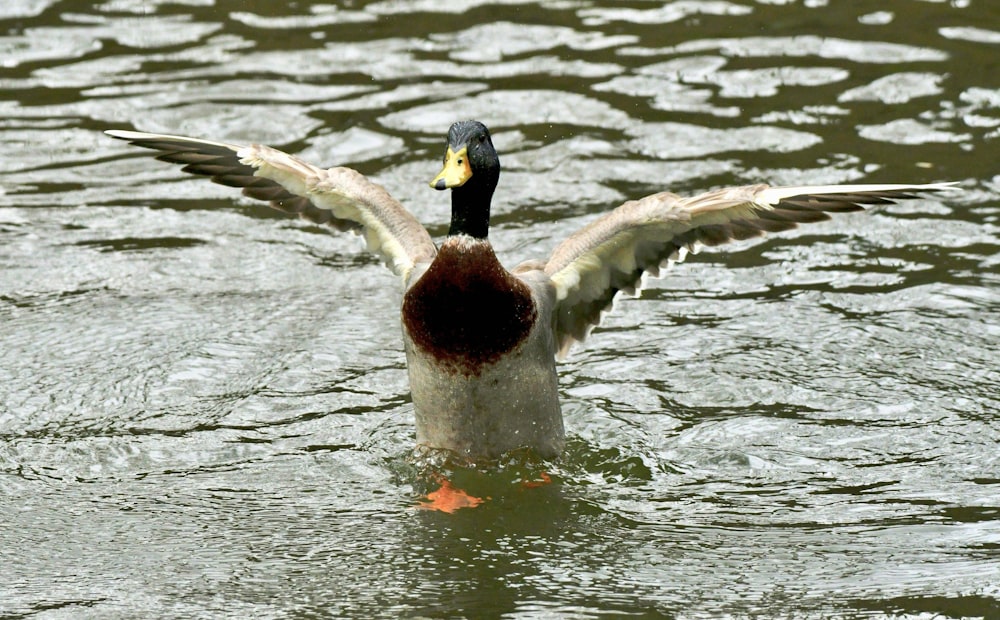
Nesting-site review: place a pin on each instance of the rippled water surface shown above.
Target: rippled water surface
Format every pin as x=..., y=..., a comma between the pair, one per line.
x=204, y=410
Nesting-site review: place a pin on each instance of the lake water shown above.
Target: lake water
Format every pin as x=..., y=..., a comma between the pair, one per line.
x=204, y=409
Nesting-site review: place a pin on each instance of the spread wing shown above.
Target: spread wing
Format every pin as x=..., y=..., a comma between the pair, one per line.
x=643, y=237
x=339, y=197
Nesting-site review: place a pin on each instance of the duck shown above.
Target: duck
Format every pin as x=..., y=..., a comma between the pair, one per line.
x=482, y=341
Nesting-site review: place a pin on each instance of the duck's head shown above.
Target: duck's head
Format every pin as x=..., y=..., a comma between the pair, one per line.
x=471, y=170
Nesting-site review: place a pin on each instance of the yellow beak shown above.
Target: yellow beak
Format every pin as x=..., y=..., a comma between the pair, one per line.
x=456, y=170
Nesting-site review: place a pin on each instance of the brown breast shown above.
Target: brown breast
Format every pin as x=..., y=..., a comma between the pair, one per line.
x=467, y=310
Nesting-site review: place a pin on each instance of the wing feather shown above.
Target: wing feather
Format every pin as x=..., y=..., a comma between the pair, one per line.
x=338, y=197
x=640, y=238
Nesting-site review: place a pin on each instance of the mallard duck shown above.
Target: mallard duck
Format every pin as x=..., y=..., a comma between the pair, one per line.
x=482, y=341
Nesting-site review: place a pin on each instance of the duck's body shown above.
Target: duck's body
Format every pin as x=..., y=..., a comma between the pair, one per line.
x=481, y=341
x=480, y=354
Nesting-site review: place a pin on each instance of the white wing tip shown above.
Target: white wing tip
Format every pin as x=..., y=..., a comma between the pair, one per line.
x=773, y=195
x=124, y=134
x=132, y=136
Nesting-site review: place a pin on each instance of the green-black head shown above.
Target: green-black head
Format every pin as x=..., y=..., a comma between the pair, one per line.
x=471, y=170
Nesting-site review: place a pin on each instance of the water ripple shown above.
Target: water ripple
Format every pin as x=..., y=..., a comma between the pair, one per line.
x=204, y=408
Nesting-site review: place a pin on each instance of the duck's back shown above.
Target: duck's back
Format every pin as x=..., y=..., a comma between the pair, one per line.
x=481, y=355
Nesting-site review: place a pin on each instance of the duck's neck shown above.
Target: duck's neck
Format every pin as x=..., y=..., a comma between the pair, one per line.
x=470, y=210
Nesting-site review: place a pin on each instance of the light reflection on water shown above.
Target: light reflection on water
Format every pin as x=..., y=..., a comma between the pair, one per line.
x=204, y=409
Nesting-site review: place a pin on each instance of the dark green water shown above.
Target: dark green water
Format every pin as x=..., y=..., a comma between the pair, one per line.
x=203, y=405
